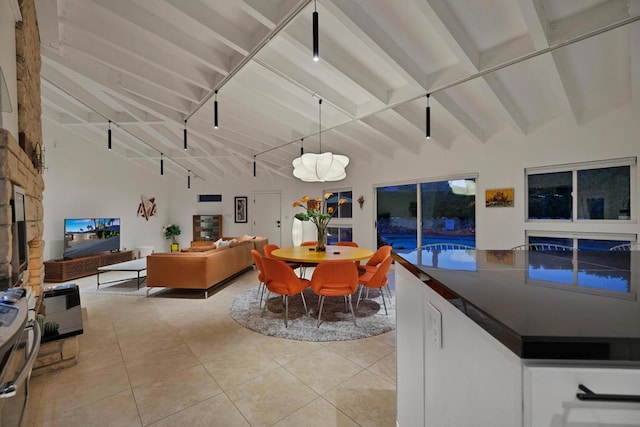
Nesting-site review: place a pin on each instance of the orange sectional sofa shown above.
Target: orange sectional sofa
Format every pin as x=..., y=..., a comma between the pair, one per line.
x=202, y=267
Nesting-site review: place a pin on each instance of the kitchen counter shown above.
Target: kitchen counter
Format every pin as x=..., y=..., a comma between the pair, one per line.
x=511, y=335
x=543, y=305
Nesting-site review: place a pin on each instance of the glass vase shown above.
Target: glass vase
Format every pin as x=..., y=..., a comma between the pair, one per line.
x=321, y=245
x=175, y=247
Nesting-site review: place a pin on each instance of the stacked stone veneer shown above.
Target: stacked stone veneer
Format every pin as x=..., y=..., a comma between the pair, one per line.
x=16, y=167
x=28, y=64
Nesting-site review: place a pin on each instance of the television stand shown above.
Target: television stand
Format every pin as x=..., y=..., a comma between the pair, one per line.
x=63, y=270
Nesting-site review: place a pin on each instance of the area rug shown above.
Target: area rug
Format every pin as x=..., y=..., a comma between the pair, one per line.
x=337, y=324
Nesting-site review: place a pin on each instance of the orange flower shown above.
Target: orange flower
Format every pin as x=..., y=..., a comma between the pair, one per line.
x=304, y=199
x=342, y=201
x=327, y=195
x=295, y=204
x=319, y=200
x=330, y=209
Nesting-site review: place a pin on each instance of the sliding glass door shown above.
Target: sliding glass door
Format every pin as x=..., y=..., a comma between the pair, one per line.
x=449, y=212
x=397, y=216
x=446, y=210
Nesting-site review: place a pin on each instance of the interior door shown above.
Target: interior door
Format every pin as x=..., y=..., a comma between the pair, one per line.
x=267, y=221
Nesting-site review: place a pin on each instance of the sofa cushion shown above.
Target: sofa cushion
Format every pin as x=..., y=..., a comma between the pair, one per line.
x=199, y=248
x=245, y=238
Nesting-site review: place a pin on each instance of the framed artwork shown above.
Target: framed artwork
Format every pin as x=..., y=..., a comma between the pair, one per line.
x=501, y=257
x=499, y=198
x=241, y=209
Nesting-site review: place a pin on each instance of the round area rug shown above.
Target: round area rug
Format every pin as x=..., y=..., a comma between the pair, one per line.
x=337, y=324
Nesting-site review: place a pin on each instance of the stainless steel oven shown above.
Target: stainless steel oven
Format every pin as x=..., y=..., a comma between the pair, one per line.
x=19, y=344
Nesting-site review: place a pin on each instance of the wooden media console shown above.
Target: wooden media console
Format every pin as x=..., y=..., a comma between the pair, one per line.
x=63, y=270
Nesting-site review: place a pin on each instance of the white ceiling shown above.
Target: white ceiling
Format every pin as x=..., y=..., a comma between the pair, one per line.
x=147, y=65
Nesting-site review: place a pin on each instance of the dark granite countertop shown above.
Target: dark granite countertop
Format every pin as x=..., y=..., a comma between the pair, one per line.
x=580, y=305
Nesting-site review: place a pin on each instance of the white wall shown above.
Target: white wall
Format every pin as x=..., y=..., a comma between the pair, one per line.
x=84, y=180
x=500, y=163
x=9, y=121
x=78, y=185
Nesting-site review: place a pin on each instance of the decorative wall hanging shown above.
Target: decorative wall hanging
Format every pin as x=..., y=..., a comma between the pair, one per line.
x=241, y=209
x=147, y=207
x=499, y=198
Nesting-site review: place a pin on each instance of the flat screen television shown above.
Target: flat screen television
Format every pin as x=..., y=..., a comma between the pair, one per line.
x=87, y=236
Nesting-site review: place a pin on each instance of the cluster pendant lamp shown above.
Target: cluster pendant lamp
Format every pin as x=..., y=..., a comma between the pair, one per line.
x=161, y=164
x=428, y=118
x=316, y=51
x=215, y=110
x=311, y=167
x=185, y=135
x=109, y=136
x=188, y=179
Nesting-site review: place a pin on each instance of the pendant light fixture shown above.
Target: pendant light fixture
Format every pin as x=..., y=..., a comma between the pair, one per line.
x=311, y=167
x=428, y=118
x=301, y=146
x=161, y=164
x=188, y=179
x=215, y=110
x=316, y=51
x=254, y=166
x=185, y=135
x=109, y=136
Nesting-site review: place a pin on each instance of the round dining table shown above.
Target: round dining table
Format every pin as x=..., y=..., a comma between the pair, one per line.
x=308, y=254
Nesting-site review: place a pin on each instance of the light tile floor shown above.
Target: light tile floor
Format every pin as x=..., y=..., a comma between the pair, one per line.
x=185, y=362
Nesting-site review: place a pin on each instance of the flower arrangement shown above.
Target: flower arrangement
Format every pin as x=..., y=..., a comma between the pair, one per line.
x=315, y=213
x=171, y=231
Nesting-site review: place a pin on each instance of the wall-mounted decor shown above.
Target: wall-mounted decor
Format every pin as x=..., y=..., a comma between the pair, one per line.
x=501, y=257
x=241, y=209
x=147, y=207
x=499, y=198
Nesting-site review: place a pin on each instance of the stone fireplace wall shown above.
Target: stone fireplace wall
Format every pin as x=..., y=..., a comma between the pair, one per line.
x=16, y=166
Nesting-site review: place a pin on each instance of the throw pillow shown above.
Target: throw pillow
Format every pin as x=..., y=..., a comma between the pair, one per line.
x=223, y=244
x=233, y=242
x=217, y=242
x=245, y=237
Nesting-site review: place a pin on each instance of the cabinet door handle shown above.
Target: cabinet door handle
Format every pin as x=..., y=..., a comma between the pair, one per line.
x=590, y=395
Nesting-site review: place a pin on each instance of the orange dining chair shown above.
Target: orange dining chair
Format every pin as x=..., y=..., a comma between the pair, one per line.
x=283, y=281
x=335, y=279
x=376, y=280
x=303, y=266
x=352, y=245
x=257, y=260
x=377, y=258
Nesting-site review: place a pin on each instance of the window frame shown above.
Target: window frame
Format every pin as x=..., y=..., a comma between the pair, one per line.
x=631, y=162
x=418, y=183
x=577, y=235
x=337, y=218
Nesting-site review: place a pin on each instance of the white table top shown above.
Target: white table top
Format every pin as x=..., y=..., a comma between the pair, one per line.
x=133, y=265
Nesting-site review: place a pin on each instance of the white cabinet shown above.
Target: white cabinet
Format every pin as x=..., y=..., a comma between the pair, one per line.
x=550, y=396
x=451, y=373
x=410, y=346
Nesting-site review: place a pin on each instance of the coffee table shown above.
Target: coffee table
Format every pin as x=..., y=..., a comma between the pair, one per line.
x=136, y=265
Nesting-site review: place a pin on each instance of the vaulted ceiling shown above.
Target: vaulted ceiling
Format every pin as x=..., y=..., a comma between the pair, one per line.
x=490, y=65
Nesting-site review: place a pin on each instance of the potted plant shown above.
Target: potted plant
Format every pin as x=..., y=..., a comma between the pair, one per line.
x=170, y=232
